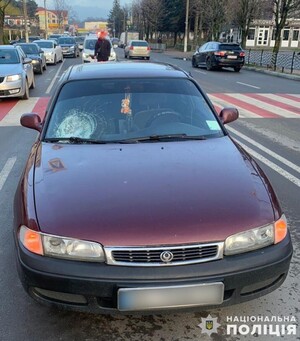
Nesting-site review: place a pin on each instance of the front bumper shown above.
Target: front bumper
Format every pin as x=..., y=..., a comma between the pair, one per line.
x=11, y=89
x=93, y=287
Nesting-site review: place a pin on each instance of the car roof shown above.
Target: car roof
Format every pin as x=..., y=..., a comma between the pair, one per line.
x=124, y=70
x=8, y=47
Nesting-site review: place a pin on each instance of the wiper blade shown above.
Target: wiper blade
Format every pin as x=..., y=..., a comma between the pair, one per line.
x=75, y=140
x=162, y=138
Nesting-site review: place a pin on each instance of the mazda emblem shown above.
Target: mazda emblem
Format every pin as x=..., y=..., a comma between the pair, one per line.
x=166, y=256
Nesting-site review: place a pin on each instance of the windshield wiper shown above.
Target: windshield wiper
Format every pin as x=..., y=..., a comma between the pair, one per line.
x=75, y=140
x=162, y=138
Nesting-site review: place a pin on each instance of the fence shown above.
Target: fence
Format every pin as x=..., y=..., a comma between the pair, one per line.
x=287, y=61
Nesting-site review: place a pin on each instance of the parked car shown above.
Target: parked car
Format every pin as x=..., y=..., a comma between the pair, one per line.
x=135, y=198
x=69, y=46
x=16, y=72
x=215, y=55
x=137, y=48
x=52, y=51
x=33, y=51
x=55, y=36
x=89, y=50
x=80, y=41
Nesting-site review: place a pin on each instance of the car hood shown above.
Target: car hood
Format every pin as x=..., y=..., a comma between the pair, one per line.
x=10, y=69
x=66, y=45
x=47, y=50
x=33, y=56
x=150, y=193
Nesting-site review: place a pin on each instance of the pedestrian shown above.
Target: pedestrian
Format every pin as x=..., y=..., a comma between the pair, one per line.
x=102, y=48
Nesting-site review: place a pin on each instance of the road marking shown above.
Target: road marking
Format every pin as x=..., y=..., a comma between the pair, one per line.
x=272, y=165
x=202, y=72
x=6, y=170
x=251, y=86
x=54, y=78
x=266, y=150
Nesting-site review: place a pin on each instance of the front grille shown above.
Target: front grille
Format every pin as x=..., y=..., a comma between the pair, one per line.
x=187, y=254
x=4, y=93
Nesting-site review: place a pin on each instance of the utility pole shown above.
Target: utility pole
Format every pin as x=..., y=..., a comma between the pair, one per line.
x=186, y=25
x=46, y=21
x=25, y=20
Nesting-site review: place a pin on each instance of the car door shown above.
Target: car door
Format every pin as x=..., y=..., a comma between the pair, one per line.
x=201, y=54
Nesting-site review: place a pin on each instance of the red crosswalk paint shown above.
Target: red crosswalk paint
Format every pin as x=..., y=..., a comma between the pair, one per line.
x=6, y=106
x=40, y=106
x=294, y=98
x=250, y=107
x=272, y=101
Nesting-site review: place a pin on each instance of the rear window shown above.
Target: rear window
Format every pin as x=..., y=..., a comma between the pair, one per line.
x=139, y=43
x=229, y=47
x=45, y=44
x=30, y=49
x=66, y=41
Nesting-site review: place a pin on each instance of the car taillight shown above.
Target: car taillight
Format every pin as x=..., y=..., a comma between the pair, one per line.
x=131, y=47
x=242, y=54
x=220, y=53
x=148, y=48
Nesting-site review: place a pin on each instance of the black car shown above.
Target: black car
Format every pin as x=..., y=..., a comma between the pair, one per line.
x=69, y=46
x=215, y=55
x=34, y=52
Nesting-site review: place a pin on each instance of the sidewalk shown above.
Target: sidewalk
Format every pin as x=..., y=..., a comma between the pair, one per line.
x=188, y=56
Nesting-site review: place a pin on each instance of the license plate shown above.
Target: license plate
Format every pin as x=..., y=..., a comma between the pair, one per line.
x=150, y=298
x=231, y=57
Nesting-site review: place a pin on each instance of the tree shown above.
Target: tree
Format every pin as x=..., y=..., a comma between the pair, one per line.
x=116, y=19
x=282, y=10
x=61, y=10
x=215, y=17
x=3, y=6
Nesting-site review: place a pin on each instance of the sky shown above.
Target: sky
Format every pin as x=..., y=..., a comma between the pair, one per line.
x=86, y=8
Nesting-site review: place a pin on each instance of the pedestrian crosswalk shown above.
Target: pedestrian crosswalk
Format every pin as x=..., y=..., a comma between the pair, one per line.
x=250, y=105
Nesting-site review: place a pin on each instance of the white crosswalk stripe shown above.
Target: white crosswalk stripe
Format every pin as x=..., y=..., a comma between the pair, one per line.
x=250, y=105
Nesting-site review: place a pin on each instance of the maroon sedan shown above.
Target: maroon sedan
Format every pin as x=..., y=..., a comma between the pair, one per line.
x=135, y=198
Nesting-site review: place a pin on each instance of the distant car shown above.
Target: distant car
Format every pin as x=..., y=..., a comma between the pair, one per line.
x=134, y=198
x=33, y=51
x=16, y=72
x=56, y=36
x=115, y=42
x=215, y=55
x=69, y=46
x=89, y=50
x=137, y=49
x=80, y=40
x=53, y=52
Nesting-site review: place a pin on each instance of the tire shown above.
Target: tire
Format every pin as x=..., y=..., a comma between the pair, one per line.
x=55, y=61
x=208, y=65
x=45, y=66
x=125, y=56
x=237, y=69
x=41, y=69
x=26, y=94
x=32, y=86
x=194, y=64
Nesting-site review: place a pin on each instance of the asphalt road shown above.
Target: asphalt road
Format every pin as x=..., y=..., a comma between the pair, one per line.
x=275, y=143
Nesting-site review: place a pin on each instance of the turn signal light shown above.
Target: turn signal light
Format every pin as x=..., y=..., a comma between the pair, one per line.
x=280, y=229
x=242, y=54
x=31, y=240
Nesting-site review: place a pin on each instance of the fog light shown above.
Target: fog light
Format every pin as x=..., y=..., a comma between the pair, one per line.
x=14, y=91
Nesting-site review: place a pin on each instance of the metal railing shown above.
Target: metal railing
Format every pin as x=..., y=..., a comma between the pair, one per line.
x=286, y=61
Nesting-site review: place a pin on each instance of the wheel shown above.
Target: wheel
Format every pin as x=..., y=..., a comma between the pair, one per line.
x=55, y=61
x=194, y=64
x=208, y=65
x=41, y=70
x=26, y=94
x=32, y=86
x=163, y=117
x=237, y=69
x=45, y=66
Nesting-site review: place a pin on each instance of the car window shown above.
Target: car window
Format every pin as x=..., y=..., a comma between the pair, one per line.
x=66, y=41
x=9, y=56
x=90, y=44
x=29, y=49
x=230, y=47
x=45, y=44
x=139, y=43
x=117, y=109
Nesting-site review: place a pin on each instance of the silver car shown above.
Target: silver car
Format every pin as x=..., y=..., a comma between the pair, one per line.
x=138, y=49
x=16, y=72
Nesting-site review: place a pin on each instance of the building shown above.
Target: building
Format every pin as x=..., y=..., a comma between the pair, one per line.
x=56, y=21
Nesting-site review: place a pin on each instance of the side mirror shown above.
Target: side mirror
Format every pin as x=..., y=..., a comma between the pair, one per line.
x=32, y=121
x=228, y=115
x=27, y=60
x=41, y=51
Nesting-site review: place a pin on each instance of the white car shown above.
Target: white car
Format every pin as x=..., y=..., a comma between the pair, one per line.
x=53, y=52
x=16, y=72
x=89, y=50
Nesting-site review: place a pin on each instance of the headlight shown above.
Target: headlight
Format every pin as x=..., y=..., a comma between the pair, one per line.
x=85, y=55
x=256, y=238
x=72, y=47
x=34, y=61
x=13, y=78
x=61, y=247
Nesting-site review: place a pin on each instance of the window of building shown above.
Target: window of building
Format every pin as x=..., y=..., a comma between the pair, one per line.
x=296, y=34
x=285, y=35
x=251, y=34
